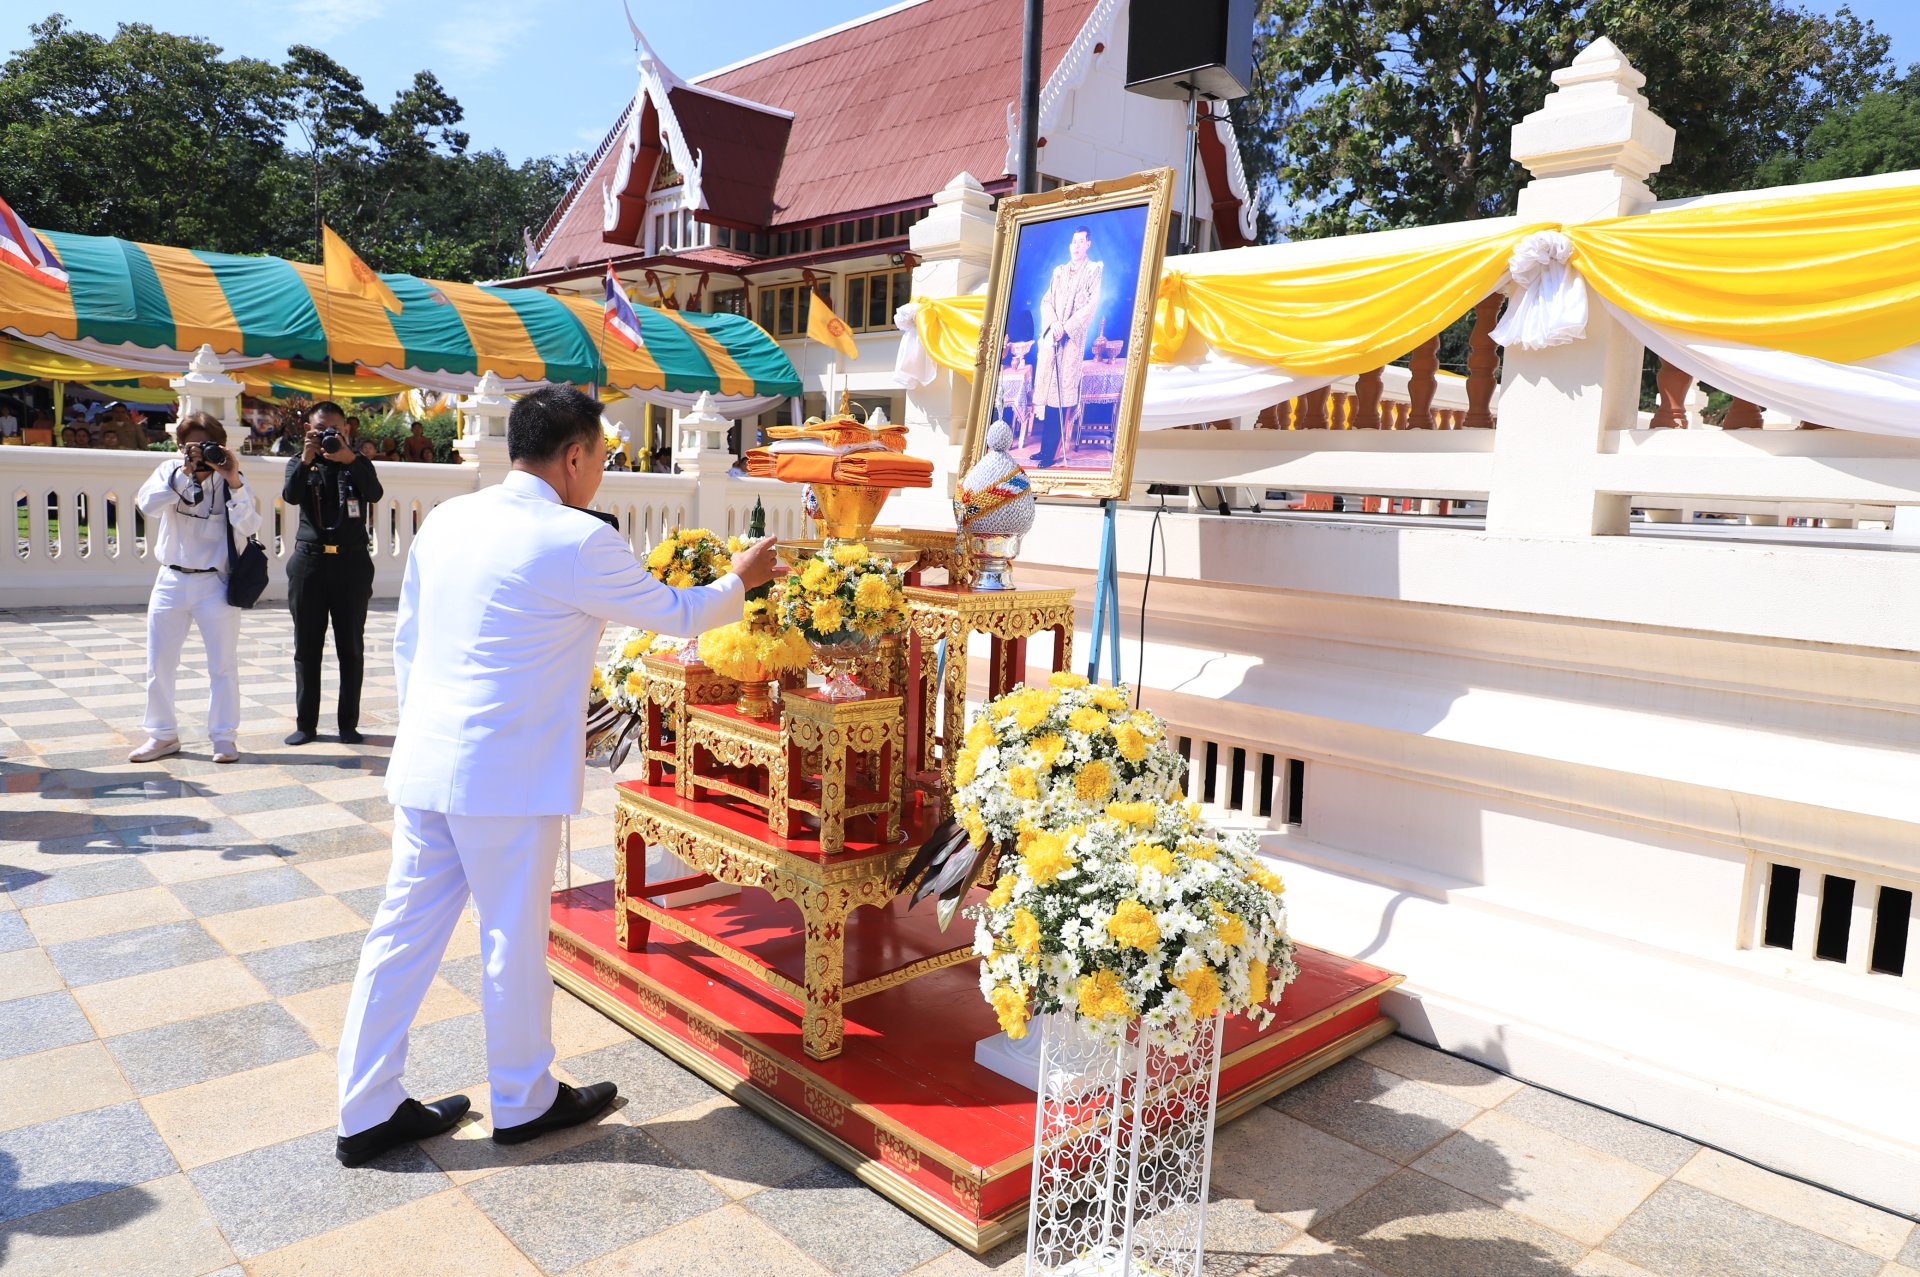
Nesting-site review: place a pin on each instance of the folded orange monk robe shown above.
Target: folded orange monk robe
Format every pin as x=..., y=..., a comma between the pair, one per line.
x=880, y=470
x=804, y=467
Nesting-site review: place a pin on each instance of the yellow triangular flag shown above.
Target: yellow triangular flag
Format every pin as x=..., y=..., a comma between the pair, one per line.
x=347, y=273
x=829, y=329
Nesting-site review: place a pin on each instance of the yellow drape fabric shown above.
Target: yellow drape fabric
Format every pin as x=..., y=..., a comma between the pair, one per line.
x=1318, y=319
x=17, y=357
x=1332, y=318
x=950, y=329
x=1830, y=274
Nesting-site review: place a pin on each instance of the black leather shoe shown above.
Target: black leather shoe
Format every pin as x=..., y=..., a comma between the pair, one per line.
x=350, y=737
x=570, y=1108
x=302, y=737
x=411, y=1121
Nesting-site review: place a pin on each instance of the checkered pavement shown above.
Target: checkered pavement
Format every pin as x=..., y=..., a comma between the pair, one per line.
x=176, y=944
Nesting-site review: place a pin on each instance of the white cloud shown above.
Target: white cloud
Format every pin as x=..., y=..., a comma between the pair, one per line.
x=481, y=35
x=335, y=17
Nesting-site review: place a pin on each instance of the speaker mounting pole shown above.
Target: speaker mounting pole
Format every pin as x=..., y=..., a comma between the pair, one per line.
x=1189, y=242
x=1028, y=179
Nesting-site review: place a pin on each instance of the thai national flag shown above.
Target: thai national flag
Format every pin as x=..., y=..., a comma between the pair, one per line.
x=617, y=314
x=22, y=249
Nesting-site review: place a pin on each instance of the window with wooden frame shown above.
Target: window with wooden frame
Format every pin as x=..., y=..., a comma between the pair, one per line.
x=873, y=297
x=784, y=309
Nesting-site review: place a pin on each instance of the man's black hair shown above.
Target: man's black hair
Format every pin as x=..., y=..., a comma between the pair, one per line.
x=325, y=405
x=1081, y=230
x=543, y=423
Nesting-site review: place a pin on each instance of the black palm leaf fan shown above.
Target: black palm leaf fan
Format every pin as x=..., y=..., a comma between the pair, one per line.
x=947, y=865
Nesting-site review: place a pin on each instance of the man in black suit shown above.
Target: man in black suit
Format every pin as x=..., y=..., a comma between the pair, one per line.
x=330, y=576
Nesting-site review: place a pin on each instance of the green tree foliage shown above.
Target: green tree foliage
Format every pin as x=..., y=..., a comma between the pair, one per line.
x=1880, y=134
x=161, y=138
x=1372, y=114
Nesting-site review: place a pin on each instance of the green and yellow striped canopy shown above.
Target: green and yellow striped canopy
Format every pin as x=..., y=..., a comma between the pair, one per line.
x=126, y=298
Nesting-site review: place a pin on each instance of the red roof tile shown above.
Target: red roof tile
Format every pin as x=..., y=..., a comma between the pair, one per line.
x=885, y=111
x=892, y=108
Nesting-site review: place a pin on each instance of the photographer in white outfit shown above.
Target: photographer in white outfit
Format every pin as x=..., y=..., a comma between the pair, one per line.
x=198, y=502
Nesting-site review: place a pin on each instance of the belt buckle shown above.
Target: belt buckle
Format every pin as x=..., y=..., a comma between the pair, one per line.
x=329, y=549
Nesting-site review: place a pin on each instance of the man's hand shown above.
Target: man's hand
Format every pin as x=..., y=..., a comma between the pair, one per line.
x=342, y=451
x=311, y=448
x=231, y=470
x=754, y=565
x=193, y=462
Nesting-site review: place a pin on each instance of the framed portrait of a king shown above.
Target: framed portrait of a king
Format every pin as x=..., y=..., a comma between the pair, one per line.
x=1068, y=326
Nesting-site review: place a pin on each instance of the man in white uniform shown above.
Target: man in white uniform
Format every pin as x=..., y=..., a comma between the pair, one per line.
x=505, y=594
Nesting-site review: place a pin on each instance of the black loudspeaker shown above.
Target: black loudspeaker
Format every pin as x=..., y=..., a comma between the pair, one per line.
x=1204, y=43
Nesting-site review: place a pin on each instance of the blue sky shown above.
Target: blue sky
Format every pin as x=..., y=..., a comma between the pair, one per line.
x=541, y=76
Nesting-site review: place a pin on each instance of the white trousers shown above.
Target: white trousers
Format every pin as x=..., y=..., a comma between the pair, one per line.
x=179, y=600
x=507, y=863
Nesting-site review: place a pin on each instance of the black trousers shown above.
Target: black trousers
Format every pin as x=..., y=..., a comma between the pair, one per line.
x=322, y=590
x=1051, y=420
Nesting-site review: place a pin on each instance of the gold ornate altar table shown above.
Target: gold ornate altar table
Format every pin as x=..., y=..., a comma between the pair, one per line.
x=937, y=706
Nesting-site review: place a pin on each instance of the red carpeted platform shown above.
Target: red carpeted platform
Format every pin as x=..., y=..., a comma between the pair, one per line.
x=903, y=1105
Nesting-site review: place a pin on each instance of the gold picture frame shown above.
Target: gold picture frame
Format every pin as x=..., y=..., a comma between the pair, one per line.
x=1038, y=291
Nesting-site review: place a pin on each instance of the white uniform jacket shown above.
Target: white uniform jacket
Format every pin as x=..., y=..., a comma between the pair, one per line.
x=505, y=594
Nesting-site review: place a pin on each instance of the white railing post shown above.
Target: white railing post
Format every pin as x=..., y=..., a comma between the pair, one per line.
x=207, y=388
x=483, y=426
x=702, y=446
x=1590, y=149
x=954, y=245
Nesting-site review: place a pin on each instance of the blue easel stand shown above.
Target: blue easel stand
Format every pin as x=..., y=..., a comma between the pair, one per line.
x=1106, y=600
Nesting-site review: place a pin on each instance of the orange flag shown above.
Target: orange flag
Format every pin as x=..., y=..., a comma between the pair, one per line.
x=346, y=272
x=829, y=329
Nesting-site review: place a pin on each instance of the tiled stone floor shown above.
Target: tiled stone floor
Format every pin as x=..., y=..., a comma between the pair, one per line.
x=175, y=945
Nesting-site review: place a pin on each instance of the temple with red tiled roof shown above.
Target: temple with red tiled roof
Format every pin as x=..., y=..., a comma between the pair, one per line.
x=805, y=168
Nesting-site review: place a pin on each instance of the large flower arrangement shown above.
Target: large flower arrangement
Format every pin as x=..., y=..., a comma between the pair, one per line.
x=690, y=556
x=1055, y=756
x=1143, y=916
x=756, y=647
x=621, y=680
x=844, y=593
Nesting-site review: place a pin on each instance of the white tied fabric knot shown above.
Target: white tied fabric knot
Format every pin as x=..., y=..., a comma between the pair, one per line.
x=1551, y=307
x=913, y=367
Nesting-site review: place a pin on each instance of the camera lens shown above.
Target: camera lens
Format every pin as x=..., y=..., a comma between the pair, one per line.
x=329, y=440
x=213, y=454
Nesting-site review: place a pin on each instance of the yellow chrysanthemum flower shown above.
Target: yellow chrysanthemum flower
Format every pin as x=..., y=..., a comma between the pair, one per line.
x=814, y=575
x=1202, y=986
x=599, y=681
x=680, y=580
x=848, y=555
x=1010, y=1006
x=976, y=827
x=1111, y=699
x=980, y=735
x=1087, y=720
x=1133, y=746
x=1024, y=784
x=874, y=593
x=1229, y=925
x=1133, y=926
x=1066, y=680
x=1151, y=855
x=1094, y=782
x=967, y=766
x=1269, y=880
x=1045, y=858
x=829, y=616
x=1199, y=850
x=1049, y=747
x=1101, y=996
x=660, y=555
x=1139, y=815
x=1257, y=982
x=1025, y=933
x=636, y=683
x=1002, y=892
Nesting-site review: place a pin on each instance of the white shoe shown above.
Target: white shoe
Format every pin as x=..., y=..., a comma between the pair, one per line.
x=154, y=749
x=224, y=752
